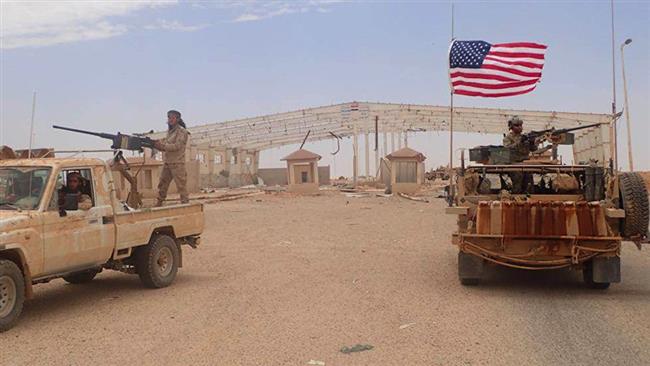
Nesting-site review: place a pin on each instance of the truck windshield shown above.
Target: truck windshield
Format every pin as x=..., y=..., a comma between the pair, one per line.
x=21, y=188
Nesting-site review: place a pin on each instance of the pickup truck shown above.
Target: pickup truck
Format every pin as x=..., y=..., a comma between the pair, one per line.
x=42, y=238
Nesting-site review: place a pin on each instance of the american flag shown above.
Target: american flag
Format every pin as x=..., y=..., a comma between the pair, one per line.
x=481, y=69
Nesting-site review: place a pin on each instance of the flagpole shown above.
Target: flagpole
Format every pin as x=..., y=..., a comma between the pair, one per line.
x=451, y=119
x=614, y=143
x=451, y=104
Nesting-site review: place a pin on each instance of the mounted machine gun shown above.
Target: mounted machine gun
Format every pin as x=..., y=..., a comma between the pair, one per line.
x=119, y=163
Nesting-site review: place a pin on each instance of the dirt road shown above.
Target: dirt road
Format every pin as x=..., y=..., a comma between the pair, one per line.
x=284, y=281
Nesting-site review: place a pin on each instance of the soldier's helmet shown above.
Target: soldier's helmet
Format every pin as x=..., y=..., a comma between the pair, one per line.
x=515, y=120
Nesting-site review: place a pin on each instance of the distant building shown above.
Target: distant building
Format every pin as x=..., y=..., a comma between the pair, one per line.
x=302, y=171
x=406, y=170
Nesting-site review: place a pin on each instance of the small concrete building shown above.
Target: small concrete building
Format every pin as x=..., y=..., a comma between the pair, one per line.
x=406, y=170
x=302, y=171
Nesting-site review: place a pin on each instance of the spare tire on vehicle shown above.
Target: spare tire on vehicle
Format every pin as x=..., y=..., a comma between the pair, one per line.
x=634, y=201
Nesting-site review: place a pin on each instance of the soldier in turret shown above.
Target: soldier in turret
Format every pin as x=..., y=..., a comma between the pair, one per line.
x=520, y=148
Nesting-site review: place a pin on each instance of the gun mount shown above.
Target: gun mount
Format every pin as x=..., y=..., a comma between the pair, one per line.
x=122, y=142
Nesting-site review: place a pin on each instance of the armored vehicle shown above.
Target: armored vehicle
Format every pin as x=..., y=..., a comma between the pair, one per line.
x=561, y=216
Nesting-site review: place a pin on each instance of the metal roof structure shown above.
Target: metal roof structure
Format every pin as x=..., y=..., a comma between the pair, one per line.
x=348, y=119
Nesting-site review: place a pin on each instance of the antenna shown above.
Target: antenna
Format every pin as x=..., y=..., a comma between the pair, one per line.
x=31, y=127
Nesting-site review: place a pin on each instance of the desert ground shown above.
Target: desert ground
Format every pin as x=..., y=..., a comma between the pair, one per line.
x=288, y=280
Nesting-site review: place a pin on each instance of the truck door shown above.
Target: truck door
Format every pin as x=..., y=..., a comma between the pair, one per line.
x=83, y=237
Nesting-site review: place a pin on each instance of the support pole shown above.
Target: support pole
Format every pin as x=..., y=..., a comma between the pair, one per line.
x=355, y=157
x=367, y=154
x=392, y=141
x=385, y=152
x=406, y=139
x=399, y=139
x=376, y=146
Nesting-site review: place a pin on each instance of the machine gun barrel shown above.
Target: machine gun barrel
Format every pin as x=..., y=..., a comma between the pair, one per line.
x=535, y=134
x=107, y=136
x=564, y=130
x=120, y=141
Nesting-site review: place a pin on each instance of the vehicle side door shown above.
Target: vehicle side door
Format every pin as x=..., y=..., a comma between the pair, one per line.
x=78, y=239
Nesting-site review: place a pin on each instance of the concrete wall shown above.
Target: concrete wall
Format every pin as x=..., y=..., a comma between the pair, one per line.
x=278, y=176
x=221, y=167
x=149, y=176
x=404, y=187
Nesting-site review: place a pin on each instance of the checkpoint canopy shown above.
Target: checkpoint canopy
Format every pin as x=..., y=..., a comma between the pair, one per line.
x=354, y=118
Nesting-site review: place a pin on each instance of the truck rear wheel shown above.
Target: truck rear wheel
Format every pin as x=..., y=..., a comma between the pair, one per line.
x=12, y=294
x=588, y=277
x=470, y=269
x=157, y=263
x=81, y=277
x=634, y=200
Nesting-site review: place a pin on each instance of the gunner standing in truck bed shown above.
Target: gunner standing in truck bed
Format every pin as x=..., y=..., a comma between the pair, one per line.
x=173, y=147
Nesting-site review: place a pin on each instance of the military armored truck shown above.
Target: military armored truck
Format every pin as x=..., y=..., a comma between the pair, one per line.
x=563, y=216
x=44, y=236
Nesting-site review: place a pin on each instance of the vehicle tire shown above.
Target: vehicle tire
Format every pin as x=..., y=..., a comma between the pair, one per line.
x=81, y=277
x=12, y=294
x=470, y=269
x=634, y=200
x=588, y=277
x=469, y=281
x=157, y=263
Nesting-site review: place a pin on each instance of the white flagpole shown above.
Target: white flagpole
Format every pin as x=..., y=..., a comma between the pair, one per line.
x=451, y=102
x=614, y=132
x=451, y=114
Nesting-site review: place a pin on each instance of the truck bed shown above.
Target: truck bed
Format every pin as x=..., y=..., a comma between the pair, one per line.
x=135, y=228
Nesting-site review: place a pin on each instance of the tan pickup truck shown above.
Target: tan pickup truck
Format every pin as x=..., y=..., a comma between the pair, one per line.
x=44, y=236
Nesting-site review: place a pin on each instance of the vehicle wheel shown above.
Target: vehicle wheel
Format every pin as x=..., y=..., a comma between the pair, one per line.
x=634, y=200
x=470, y=269
x=81, y=277
x=157, y=262
x=588, y=277
x=469, y=281
x=12, y=294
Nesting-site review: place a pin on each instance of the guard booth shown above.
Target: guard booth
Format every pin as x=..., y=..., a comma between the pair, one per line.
x=302, y=171
x=406, y=170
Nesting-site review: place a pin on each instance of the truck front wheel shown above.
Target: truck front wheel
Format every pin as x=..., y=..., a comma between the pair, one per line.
x=12, y=294
x=157, y=263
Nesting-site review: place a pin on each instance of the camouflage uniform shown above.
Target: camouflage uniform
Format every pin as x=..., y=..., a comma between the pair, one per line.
x=519, y=151
x=174, y=163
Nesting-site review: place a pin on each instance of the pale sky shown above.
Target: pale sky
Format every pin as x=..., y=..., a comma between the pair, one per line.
x=119, y=66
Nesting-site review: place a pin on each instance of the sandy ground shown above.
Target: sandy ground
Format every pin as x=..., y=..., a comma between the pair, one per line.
x=283, y=281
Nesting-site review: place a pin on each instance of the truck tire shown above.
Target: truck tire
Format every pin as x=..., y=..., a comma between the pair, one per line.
x=588, y=277
x=157, y=263
x=470, y=269
x=81, y=277
x=12, y=294
x=634, y=200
